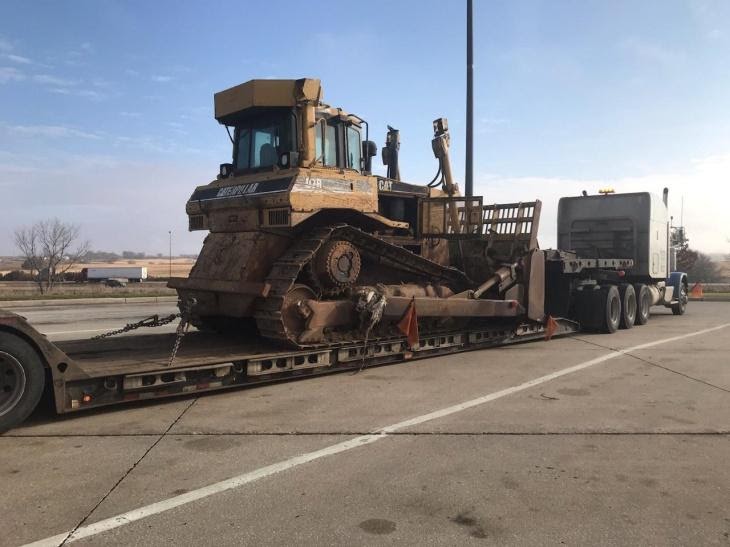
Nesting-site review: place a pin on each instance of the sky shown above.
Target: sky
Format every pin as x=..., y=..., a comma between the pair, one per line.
x=106, y=107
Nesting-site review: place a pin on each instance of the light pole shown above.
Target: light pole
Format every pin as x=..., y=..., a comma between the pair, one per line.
x=169, y=232
x=469, y=174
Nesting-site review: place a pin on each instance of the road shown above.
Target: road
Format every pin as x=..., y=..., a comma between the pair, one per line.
x=591, y=439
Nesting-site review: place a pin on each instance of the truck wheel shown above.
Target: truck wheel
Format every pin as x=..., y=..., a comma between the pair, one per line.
x=643, y=303
x=609, y=309
x=21, y=380
x=681, y=306
x=628, y=305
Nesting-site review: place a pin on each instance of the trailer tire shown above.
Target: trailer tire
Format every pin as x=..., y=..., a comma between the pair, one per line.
x=609, y=309
x=643, y=303
x=628, y=305
x=22, y=378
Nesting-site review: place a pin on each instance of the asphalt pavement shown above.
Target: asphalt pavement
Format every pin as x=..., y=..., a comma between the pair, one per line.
x=590, y=439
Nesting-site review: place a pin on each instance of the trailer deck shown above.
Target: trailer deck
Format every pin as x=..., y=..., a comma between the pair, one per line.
x=133, y=368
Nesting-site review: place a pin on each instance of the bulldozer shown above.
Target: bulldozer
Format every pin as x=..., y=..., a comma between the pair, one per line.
x=309, y=247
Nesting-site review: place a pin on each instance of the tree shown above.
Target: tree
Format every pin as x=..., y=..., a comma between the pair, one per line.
x=704, y=269
x=50, y=248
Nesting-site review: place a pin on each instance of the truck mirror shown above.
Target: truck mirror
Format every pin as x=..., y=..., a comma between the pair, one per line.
x=369, y=149
x=225, y=170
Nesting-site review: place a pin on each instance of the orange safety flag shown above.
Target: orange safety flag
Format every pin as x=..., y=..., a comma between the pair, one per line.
x=697, y=291
x=551, y=327
x=408, y=324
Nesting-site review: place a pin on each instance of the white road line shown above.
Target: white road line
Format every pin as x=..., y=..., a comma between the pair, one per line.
x=382, y=433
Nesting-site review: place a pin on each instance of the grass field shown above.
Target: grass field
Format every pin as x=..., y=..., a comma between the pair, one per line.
x=156, y=267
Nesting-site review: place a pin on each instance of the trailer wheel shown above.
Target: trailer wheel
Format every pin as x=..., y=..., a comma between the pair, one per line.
x=609, y=309
x=628, y=305
x=681, y=306
x=21, y=380
x=643, y=303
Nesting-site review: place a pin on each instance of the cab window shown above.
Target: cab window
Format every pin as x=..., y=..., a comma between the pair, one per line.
x=354, y=148
x=326, y=143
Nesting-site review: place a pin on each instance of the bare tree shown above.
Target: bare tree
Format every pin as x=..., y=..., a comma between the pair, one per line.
x=50, y=249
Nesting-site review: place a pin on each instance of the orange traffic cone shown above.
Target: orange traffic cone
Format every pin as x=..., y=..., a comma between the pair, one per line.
x=697, y=292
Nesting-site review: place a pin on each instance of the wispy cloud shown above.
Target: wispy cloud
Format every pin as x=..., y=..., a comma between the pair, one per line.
x=86, y=93
x=50, y=131
x=130, y=114
x=490, y=124
x=5, y=45
x=651, y=52
x=49, y=79
x=161, y=78
x=695, y=181
x=10, y=74
x=18, y=59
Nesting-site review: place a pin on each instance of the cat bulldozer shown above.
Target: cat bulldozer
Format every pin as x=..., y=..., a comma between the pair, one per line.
x=311, y=246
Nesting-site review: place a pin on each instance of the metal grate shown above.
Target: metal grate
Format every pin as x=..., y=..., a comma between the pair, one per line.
x=196, y=222
x=510, y=222
x=277, y=217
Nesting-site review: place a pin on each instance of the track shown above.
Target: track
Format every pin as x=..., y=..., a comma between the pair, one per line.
x=270, y=312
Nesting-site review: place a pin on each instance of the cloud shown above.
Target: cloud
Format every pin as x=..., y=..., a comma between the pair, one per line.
x=49, y=131
x=162, y=79
x=5, y=45
x=18, y=59
x=48, y=79
x=652, y=53
x=130, y=114
x=702, y=184
x=490, y=125
x=10, y=74
x=68, y=187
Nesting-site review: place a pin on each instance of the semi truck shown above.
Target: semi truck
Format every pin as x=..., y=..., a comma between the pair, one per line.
x=315, y=265
x=134, y=274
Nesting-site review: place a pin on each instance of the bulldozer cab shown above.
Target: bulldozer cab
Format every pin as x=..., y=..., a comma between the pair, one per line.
x=283, y=124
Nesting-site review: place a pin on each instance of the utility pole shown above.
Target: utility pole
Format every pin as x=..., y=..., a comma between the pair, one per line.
x=169, y=232
x=469, y=175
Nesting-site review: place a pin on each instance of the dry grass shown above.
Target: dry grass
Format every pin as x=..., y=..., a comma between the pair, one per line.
x=156, y=267
x=23, y=290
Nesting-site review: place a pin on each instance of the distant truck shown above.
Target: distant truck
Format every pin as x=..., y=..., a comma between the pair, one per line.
x=133, y=274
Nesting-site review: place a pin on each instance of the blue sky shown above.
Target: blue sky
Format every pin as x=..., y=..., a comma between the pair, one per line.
x=106, y=106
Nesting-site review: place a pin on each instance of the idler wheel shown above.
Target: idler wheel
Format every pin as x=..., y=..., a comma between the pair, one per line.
x=293, y=315
x=337, y=264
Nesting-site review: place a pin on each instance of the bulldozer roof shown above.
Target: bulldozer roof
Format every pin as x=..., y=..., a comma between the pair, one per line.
x=254, y=94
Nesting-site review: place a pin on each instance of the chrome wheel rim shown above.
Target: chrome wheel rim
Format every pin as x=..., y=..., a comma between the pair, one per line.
x=12, y=382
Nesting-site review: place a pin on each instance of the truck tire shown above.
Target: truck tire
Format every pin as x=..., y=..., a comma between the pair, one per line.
x=681, y=306
x=643, y=303
x=22, y=378
x=609, y=309
x=628, y=305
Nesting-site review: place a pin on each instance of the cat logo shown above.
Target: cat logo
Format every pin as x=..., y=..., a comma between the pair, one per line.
x=385, y=185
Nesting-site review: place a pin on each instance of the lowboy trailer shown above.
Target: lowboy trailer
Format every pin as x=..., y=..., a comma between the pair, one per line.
x=569, y=291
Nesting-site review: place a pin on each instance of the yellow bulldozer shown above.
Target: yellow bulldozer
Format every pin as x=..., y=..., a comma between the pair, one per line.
x=311, y=246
